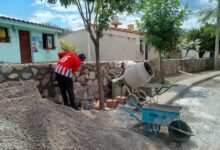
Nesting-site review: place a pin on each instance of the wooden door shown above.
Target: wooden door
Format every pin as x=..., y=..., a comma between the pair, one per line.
x=25, y=47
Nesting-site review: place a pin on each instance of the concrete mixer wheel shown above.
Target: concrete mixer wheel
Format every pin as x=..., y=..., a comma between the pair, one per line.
x=141, y=95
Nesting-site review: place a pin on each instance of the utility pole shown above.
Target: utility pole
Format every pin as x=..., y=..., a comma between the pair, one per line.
x=216, y=60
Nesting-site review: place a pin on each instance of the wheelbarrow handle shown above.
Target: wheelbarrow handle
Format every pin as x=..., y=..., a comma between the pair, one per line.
x=134, y=104
x=131, y=113
x=166, y=87
x=187, y=133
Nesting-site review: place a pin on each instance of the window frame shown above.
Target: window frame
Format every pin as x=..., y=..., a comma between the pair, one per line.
x=45, y=41
x=7, y=38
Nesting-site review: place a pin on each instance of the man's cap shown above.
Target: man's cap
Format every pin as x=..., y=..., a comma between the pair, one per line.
x=82, y=56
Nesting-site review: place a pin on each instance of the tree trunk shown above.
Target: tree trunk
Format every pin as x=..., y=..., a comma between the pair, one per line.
x=100, y=84
x=216, y=50
x=161, y=70
x=187, y=51
x=217, y=38
x=201, y=54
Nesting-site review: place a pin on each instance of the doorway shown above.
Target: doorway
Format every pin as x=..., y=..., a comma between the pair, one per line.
x=25, y=46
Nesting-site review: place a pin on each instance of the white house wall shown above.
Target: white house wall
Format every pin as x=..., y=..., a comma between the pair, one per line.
x=10, y=51
x=114, y=45
x=78, y=39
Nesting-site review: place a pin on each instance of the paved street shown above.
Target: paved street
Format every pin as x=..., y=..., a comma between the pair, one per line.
x=201, y=111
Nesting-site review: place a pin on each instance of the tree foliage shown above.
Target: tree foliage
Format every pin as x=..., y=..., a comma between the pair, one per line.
x=161, y=22
x=213, y=14
x=190, y=45
x=67, y=47
x=206, y=35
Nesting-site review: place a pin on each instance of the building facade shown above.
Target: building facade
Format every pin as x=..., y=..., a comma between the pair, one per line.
x=27, y=42
x=116, y=44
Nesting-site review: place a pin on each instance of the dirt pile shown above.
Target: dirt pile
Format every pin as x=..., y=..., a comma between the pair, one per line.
x=29, y=122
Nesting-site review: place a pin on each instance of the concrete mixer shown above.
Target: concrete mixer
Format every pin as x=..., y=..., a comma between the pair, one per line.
x=134, y=83
x=136, y=75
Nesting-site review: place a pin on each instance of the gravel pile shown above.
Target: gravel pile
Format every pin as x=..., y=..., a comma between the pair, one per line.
x=29, y=122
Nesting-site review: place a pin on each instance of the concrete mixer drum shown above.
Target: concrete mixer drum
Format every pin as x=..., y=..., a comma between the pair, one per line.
x=138, y=74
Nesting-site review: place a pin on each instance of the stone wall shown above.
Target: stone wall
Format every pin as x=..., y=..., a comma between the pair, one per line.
x=86, y=83
x=172, y=66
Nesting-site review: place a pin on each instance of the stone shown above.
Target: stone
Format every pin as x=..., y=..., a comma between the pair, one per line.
x=105, y=82
x=43, y=70
x=84, y=83
x=90, y=83
x=92, y=88
x=7, y=69
x=89, y=67
x=79, y=91
x=2, y=78
x=45, y=93
x=19, y=67
x=111, y=64
x=37, y=83
x=95, y=83
x=81, y=78
x=86, y=96
x=85, y=71
x=118, y=71
x=34, y=71
x=39, y=76
x=13, y=76
x=77, y=85
x=26, y=76
x=45, y=80
x=87, y=76
x=112, y=71
x=77, y=74
x=103, y=67
x=92, y=75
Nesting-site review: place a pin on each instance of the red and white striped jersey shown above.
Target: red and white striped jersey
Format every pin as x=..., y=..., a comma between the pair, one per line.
x=69, y=62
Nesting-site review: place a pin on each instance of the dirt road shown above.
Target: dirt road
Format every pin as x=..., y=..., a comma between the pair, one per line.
x=201, y=111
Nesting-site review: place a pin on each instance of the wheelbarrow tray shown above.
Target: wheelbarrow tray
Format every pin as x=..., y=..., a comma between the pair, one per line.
x=160, y=114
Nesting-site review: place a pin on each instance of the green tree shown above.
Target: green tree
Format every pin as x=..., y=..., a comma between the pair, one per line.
x=206, y=35
x=213, y=14
x=161, y=23
x=96, y=16
x=189, y=45
x=67, y=47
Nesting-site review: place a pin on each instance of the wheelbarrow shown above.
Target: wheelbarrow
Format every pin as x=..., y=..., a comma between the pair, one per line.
x=154, y=115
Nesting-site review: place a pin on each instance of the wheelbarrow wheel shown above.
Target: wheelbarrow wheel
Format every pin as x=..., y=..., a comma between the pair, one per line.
x=176, y=135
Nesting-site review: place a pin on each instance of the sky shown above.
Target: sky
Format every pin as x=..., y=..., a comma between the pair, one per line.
x=41, y=12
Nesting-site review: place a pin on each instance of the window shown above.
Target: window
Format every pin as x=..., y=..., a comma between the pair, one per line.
x=48, y=41
x=4, y=35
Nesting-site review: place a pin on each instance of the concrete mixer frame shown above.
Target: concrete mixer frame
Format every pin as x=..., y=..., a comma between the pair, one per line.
x=138, y=94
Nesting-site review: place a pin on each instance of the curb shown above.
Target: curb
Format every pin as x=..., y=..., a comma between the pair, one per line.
x=175, y=92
